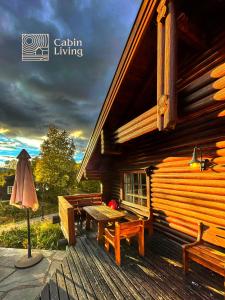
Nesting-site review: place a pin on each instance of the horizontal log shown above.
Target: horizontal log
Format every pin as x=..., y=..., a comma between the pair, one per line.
x=218, y=168
x=192, y=225
x=219, y=83
x=205, y=91
x=182, y=199
x=218, y=71
x=135, y=127
x=189, y=194
x=197, y=189
x=192, y=182
x=197, y=83
x=185, y=162
x=186, y=152
x=218, y=213
x=179, y=163
x=197, y=61
x=202, y=103
x=214, y=117
x=188, y=219
x=180, y=149
x=197, y=215
x=213, y=61
x=172, y=234
x=220, y=95
x=202, y=175
x=205, y=79
x=151, y=112
x=203, y=134
x=178, y=227
x=137, y=133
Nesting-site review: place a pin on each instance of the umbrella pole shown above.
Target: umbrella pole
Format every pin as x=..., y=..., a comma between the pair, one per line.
x=28, y=234
x=28, y=260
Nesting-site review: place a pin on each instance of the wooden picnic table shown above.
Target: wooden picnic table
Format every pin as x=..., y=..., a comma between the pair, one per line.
x=102, y=214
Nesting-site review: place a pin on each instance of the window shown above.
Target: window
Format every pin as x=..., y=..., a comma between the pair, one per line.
x=9, y=190
x=135, y=188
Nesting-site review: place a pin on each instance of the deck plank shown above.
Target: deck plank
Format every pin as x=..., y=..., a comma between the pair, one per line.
x=89, y=272
x=111, y=283
x=45, y=293
x=62, y=288
x=71, y=290
x=90, y=294
x=54, y=288
x=199, y=280
x=97, y=280
x=117, y=272
x=76, y=279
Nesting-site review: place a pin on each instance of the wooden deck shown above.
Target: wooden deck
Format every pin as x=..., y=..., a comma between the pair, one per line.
x=89, y=272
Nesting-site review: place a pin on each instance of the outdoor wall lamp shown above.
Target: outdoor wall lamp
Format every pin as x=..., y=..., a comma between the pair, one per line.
x=195, y=162
x=149, y=170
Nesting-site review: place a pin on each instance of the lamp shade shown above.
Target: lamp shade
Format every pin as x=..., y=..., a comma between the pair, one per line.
x=195, y=162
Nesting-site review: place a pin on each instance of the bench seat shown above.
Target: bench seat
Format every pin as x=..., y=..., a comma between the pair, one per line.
x=208, y=257
x=208, y=250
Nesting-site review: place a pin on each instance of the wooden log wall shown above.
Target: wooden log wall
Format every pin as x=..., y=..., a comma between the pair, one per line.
x=181, y=196
x=144, y=123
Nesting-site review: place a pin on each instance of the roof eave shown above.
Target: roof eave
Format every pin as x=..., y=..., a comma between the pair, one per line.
x=142, y=20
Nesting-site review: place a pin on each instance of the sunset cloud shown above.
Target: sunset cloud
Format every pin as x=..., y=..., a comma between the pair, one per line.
x=66, y=91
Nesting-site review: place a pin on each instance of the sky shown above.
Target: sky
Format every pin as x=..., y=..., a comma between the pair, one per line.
x=67, y=91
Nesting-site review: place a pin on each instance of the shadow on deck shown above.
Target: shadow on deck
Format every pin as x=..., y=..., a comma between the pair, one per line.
x=88, y=272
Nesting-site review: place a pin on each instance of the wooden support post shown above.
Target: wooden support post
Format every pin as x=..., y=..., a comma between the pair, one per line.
x=160, y=61
x=166, y=66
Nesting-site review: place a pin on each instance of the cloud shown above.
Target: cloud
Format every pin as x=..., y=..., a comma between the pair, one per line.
x=78, y=134
x=66, y=91
x=4, y=130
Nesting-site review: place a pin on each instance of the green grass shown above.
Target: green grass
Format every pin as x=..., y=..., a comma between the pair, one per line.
x=44, y=235
x=12, y=214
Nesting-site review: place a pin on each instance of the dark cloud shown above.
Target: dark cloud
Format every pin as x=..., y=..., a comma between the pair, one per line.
x=67, y=91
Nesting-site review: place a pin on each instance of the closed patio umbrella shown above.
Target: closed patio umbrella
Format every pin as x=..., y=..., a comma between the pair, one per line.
x=24, y=196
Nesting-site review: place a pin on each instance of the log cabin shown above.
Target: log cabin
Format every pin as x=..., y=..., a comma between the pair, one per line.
x=167, y=97
x=158, y=146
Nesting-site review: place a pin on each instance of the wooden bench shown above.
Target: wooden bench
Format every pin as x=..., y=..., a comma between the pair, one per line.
x=135, y=212
x=208, y=250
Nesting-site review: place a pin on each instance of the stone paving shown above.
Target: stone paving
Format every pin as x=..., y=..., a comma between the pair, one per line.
x=26, y=284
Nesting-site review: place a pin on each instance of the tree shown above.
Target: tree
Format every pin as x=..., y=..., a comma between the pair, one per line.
x=55, y=166
x=11, y=164
x=2, y=179
x=89, y=186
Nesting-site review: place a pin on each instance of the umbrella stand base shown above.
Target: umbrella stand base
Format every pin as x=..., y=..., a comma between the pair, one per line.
x=25, y=262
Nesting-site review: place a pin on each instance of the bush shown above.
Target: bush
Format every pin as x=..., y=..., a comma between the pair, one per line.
x=48, y=235
x=10, y=214
x=44, y=235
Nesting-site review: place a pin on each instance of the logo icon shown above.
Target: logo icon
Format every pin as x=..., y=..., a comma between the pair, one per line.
x=35, y=47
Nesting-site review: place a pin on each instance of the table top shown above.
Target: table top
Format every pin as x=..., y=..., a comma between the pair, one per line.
x=103, y=213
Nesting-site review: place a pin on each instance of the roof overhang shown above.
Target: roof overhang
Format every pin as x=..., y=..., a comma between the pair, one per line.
x=140, y=26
